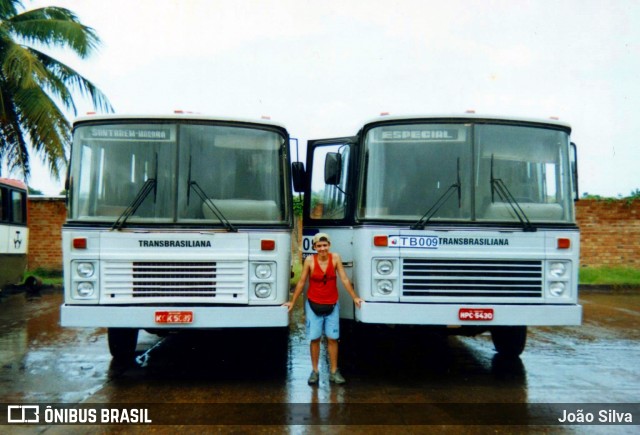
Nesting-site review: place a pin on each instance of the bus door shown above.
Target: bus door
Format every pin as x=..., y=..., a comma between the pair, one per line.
x=328, y=203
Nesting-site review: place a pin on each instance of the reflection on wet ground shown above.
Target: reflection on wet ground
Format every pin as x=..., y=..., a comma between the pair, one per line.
x=42, y=362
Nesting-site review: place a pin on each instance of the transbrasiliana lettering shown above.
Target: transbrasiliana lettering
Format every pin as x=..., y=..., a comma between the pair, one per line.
x=174, y=243
x=462, y=241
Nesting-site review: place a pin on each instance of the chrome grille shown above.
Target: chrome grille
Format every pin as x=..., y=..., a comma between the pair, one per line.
x=472, y=278
x=175, y=279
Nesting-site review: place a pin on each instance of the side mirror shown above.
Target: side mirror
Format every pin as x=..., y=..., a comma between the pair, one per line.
x=574, y=171
x=298, y=175
x=333, y=169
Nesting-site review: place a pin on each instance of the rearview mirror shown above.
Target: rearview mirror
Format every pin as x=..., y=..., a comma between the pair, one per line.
x=333, y=169
x=574, y=171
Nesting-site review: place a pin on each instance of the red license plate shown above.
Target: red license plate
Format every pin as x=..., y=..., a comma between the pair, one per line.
x=174, y=317
x=469, y=314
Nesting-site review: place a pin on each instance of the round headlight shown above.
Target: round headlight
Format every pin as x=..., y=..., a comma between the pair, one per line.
x=263, y=271
x=385, y=286
x=557, y=270
x=85, y=270
x=85, y=289
x=384, y=267
x=263, y=290
x=557, y=289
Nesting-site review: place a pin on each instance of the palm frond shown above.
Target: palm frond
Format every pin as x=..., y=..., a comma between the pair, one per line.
x=21, y=66
x=35, y=86
x=14, y=150
x=48, y=130
x=54, y=26
x=61, y=78
x=9, y=8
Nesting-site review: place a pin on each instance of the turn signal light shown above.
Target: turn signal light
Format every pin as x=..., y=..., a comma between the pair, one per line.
x=267, y=245
x=564, y=243
x=80, y=243
x=380, y=241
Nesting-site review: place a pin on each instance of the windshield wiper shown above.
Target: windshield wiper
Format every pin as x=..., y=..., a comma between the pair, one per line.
x=150, y=184
x=497, y=185
x=440, y=202
x=206, y=200
x=211, y=205
x=147, y=187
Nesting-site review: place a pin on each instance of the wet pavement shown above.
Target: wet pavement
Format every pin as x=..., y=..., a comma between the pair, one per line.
x=593, y=363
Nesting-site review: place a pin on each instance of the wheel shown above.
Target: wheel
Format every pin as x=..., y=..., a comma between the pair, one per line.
x=32, y=283
x=122, y=342
x=509, y=340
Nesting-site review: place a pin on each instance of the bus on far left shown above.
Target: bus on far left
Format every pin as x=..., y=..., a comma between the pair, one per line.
x=14, y=233
x=175, y=223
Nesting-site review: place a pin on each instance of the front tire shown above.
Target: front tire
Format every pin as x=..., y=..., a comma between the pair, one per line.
x=122, y=343
x=509, y=340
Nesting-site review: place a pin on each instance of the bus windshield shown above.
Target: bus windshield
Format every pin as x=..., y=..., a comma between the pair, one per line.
x=466, y=172
x=197, y=171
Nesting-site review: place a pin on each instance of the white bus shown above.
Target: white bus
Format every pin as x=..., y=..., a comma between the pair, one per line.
x=177, y=222
x=462, y=222
x=14, y=232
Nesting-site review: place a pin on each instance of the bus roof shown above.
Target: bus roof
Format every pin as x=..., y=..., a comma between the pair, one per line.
x=471, y=117
x=174, y=116
x=13, y=183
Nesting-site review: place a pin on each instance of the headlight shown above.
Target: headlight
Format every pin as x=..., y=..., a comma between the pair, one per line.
x=557, y=289
x=557, y=270
x=263, y=290
x=85, y=289
x=384, y=267
x=263, y=271
x=85, y=270
x=385, y=286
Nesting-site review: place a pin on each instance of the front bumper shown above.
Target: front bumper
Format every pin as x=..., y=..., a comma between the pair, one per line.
x=448, y=314
x=114, y=316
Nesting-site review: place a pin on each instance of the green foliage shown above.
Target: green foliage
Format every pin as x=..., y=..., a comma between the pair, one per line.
x=635, y=195
x=48, y=276
x=297, y=271
x=298, y=200
x=35, y=87
x=614, y=276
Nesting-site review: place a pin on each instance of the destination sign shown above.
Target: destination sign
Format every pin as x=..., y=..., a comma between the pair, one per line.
x=146, y=134
x=422, y=134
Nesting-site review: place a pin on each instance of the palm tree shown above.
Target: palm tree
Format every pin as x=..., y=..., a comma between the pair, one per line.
x=35, y=87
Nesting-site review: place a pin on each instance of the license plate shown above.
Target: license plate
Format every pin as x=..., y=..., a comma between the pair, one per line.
x=485, y=314
x=174, y=317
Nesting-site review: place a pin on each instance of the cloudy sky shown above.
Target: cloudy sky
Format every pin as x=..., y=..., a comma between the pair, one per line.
x=322, y=68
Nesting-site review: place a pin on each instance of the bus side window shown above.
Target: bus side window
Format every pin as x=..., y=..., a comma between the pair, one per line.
x=18, y=214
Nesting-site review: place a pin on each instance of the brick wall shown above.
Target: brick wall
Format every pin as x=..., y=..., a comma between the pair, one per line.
x=46, y=216
x=610, y=232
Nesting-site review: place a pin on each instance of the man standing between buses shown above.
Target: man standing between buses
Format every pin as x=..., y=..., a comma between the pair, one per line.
x=322, y=310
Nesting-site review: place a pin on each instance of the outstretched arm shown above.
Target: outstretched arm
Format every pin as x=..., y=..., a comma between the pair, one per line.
x=306, y=270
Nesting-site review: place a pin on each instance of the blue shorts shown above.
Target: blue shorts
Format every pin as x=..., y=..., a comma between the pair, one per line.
x=316, y=325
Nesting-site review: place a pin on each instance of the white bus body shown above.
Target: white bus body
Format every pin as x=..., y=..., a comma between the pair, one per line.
x=14, y=232
x=177, y=222
x=465, y=222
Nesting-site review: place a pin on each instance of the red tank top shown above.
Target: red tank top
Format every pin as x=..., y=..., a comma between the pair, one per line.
x=322, y=284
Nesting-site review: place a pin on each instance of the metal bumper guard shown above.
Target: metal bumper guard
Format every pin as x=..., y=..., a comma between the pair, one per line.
x=449, y=314
x=114, y=316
